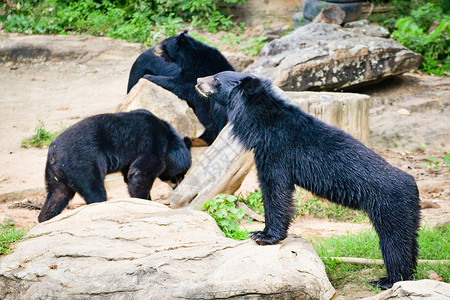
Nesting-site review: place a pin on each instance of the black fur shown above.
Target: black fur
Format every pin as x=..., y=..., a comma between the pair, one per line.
x=194, y=59
x=294, y=148
x=149, y=63
x=136, y=143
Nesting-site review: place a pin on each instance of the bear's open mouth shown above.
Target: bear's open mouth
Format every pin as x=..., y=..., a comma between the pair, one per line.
x=203, y=93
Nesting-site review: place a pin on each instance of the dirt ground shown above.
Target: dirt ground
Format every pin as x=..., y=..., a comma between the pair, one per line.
x=92, y=79
x=60, y=92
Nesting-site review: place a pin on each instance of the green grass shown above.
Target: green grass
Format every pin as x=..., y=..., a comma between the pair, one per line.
x=308, y=205
x=9, y=235
x=433, y=246
x=41, y=137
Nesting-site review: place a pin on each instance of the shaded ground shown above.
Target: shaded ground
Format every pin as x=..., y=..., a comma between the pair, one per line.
x=93, y=80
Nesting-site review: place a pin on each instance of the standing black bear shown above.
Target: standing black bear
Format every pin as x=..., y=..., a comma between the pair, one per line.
x=194, y=60
x=136, y=143
x=293, y=148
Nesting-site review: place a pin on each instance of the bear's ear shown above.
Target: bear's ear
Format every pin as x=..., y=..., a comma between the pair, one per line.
x=182, y=37
x=251, y=85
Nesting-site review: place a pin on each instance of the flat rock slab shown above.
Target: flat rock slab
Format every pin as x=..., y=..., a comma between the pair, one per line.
x=415, y=290
x=21, y=48
x=326, y=56
x=137, y=249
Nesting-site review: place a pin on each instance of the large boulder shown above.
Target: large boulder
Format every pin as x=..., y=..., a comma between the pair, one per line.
x=163, y=104
x=138, y=249
x=322, y=56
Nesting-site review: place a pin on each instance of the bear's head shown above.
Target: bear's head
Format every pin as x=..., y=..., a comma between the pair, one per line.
x=173, y=47
x=224, y=86
x=192, y=56
x=178, y=162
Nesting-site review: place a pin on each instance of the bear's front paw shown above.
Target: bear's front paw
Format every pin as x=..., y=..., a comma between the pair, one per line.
x=383, y=283
x=264, y=238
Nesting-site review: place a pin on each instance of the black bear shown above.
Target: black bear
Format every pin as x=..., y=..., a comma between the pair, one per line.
x=194, y=60
x=293, y=148
x=136, y=143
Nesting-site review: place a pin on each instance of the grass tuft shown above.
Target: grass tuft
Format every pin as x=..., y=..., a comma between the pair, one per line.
x=9, y=235
x=41, y=137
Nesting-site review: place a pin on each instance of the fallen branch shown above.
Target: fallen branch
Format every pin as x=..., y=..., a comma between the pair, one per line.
x=251, y=213
x=368, y=261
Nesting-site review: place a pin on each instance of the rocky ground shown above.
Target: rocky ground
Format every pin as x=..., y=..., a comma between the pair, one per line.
x=81, y=76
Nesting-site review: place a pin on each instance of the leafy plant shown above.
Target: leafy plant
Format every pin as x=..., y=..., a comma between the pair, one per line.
x=137, y=21
x=254, y=45
x=412, y=32
x=254, y=202
x=9, y=235
x=435, y=163
x=228, y=217
x=447, y=160
x=41, y=138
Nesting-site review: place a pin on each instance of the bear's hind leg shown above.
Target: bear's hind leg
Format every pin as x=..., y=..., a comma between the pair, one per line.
x=142, y=173
x=91, y=188
x=399, y=247
x=58, y=196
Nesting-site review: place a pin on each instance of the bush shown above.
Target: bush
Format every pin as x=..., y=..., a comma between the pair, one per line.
x=137, y=21
x=412, y=32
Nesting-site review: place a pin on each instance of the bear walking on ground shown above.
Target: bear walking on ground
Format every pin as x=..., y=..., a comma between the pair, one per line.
x=136, y=143
x=194, y=60
x=293, y=148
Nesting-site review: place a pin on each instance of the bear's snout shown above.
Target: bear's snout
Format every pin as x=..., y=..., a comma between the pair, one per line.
x=204, y=86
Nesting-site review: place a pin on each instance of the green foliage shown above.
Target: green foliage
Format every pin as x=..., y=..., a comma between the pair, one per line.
x=228, y=217
x=137, y=21
x=41, y=138
x=412, y=32
x=433, y=245
x=436, y=163
x=9, y=235
x=250, y=47
x=254, y=45
x=447, y=160
x=306, y=206
x=254, y=202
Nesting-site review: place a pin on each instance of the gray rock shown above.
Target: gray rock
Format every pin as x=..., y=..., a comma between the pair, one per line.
x=19, y=48
x=415, y=290
x=138, y=249
x=326, y=56
x=163, y=104
x=239, y=61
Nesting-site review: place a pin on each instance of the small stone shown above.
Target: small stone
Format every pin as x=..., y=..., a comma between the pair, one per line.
x=403, y=112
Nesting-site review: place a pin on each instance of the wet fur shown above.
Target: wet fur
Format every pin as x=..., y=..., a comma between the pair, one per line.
x=293, y=148
x=194, y=59
x=136, y=143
